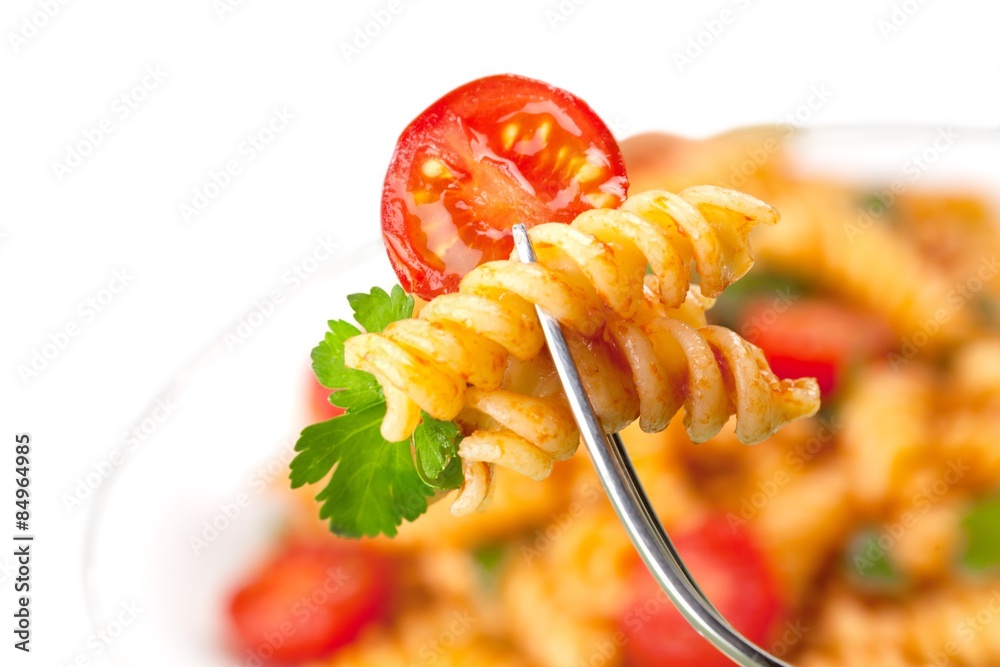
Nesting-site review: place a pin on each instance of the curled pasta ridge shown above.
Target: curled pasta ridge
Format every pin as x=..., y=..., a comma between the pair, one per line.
x=640, y=341
x=724, y=376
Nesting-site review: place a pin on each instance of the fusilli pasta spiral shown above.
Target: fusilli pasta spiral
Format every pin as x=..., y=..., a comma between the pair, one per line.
x=637, y=342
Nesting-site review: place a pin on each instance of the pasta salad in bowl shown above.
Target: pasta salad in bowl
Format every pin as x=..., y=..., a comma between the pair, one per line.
x=796, y=332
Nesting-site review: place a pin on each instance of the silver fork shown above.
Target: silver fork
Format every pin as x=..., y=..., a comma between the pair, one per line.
x=624, y=490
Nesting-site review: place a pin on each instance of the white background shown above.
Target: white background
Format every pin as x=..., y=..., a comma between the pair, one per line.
x=226, y=68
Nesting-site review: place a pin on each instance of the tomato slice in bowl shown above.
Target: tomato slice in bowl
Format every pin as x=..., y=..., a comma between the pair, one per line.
x=815, y=338
x=310, y=599
x=732, y=571
x=497, y=151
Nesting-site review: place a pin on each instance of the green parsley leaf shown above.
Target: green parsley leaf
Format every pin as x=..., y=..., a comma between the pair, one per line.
x=874, y=204
x=374, y=485
x=982, y=536
x=377, y=309
x=435, y=444
x=988, y=310
x=489, y=556
x=780, y=288
x=374, y=311
x=359, y=389
x=869, y=563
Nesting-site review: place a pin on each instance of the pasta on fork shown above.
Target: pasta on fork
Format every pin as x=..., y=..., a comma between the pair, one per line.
x=639, y=360
x=461, y=382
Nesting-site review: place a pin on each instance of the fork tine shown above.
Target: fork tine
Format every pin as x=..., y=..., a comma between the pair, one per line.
x=623, y=488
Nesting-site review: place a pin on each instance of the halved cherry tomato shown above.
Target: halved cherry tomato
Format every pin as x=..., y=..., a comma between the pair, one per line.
x=731, y=570
x=309, y=600
x=320, y=407
x=814, y=338
x=497, y=151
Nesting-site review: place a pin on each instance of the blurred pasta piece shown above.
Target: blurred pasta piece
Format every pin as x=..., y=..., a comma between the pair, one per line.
x=864, y=264
x=440, y=635
x=885, y=437
x=950, y=626
x=803, y=524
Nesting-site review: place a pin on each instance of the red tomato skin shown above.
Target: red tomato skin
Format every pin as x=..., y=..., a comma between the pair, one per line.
x=815, y=338
x=462, y=110
x=732, y=572
x=320, y=407
x=309, y=600
x=828, y=372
